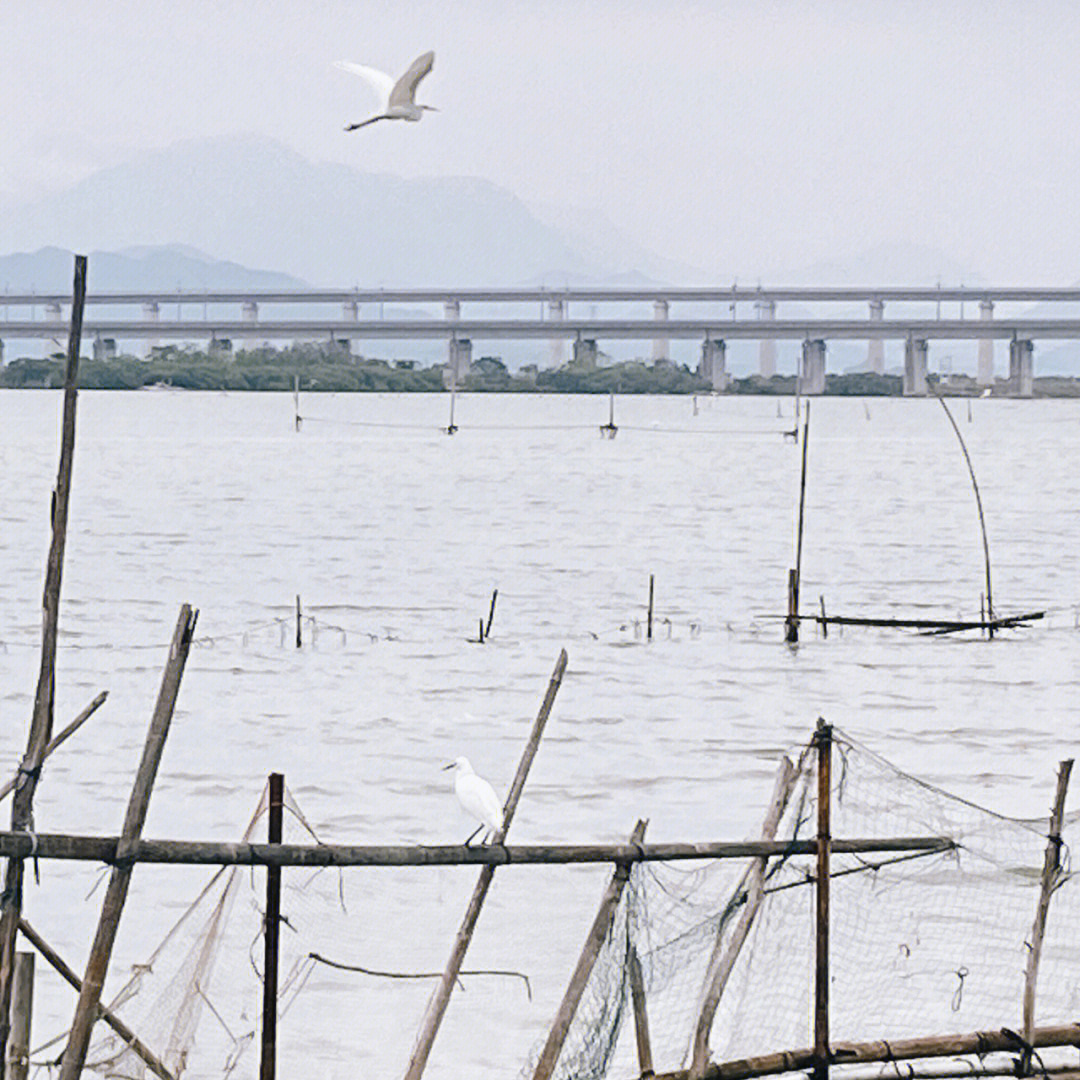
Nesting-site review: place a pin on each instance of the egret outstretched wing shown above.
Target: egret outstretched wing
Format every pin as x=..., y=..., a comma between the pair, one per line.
x=403, y=91
x=379, y=81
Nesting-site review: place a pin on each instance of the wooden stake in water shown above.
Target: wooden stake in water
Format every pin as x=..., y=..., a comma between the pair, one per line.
x=601, y=927
x=792, y=629
x=272, y=932
x=1051, y=873
x=41, y=722
x=296, y=401
x=648, y=624
x=491, y=614
x=86, y=1012
x=609, y=430
x=299, y=619
x=823, y=741
x=441, y=997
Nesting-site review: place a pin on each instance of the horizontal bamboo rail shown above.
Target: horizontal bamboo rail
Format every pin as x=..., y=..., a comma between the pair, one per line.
x=976, y=1042
x=214, y=853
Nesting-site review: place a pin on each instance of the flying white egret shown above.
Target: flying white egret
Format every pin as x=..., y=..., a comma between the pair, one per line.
x=397, y=100
x=477, y=796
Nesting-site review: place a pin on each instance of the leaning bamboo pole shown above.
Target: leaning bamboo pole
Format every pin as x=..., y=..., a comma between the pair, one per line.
x=878, y=1050
x=598, y=933
x=22, y=806
x=130, y=1039
x=105, y=849
x=823, y=742
x=723, y=959
x=61, y=737
x=86, y=1012
x=1050, y=878
x=429, y=1027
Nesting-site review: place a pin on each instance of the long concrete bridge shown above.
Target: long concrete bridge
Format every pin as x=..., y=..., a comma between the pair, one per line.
x=714, y=319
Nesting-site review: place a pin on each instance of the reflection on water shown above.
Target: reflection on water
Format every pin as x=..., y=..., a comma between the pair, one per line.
x=394, y=536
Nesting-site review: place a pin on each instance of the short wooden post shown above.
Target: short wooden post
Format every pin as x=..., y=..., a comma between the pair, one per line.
x=641, y=1016
x=648, y=625
x=601, y=927
x=86, y=1012
x=272, y=932
x=429, y=1028
x=791, y=623
x=22, y=1002
x=296, y=402
x=1050, y=874
x=823, y=740
x=299, y=617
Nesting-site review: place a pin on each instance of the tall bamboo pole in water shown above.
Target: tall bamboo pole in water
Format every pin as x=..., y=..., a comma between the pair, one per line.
x=22, y=807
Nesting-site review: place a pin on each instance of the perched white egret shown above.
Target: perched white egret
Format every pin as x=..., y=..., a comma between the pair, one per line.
x=477, y=796
x=397, y=100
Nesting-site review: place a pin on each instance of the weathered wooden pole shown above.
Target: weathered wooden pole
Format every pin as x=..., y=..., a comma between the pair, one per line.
x=429, y=1028
x=272, y=932
x=56, y=962
x=299, y=618
x=648, y=623
x=598, y=933
x=86, y=1012
x=641, y=1016
x=22, y=1003
x=62, y=737
x=491, y=615
x=791, y=629
x=22, y=805
x=722, y=960
x=1051, y=873
x=823, y=740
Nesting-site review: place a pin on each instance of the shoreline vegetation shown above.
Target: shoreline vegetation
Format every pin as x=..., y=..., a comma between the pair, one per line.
x=330, y=369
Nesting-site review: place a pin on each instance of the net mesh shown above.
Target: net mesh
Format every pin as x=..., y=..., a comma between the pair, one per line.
x=921, y=943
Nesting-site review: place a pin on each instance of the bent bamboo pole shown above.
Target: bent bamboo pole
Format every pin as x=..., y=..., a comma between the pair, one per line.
x=429, y=1028
x=86, y=1012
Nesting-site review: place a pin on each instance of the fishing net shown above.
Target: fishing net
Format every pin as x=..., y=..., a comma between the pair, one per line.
x=921, y=944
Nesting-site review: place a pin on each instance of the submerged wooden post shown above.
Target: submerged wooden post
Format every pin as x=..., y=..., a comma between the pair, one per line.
x=22, y=1003
x=62, y=737
x=648, y=624
x=641, y=1016
x=22, y=805
x=823, y=740
x=86, y=1012
x=272, y=932
x=601, y=927
x=1050, y=875
x=722, y=961
x=791, y=628
x=441, y=996
x=56, y=962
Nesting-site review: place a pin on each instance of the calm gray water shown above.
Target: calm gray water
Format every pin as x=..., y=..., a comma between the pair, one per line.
x=394, y=536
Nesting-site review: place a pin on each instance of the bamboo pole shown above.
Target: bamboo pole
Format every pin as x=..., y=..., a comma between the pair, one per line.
x=104, y=849
x=601, y=927
x=927, y=1046
x=299, y=620
x=723, y=960
x=429, y=1027
x=131, y=1040
x=62, y=737
x=116, y=893
x=823, y=738
x=648, y=624
x=296, y=402
x=22, y=806
x=272, y=932
x=22, y=1004
x=491, y=616
x=1050, y=876
x=641, y=1016
x=795, y=576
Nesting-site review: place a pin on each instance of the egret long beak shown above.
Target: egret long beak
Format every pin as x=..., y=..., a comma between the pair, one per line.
x=450, y=766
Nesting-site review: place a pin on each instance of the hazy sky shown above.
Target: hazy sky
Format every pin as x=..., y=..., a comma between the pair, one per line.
x=724, y=134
